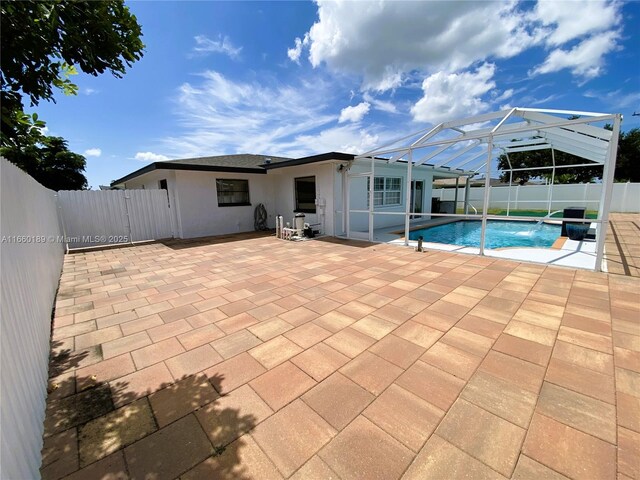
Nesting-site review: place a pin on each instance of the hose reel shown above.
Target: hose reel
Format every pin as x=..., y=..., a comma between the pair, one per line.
x=260, y=218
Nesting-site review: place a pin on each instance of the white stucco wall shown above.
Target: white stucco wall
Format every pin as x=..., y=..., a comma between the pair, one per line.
x=358, y=196
x=283, y=183
x=193, y=197
x=198, y=204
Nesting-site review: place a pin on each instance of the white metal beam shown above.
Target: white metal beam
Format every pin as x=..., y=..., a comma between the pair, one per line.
x=398, y=156
x=577, y=138
x=407, y=199
x=578, y=125
x=562, y=112
x=456, y=155
x=501, y=122
x=434, y=131
x=487, y=192
x=520, y=143
x=469, y=160
x=506, y=131
x=432, y=154
x=607, y=188
x=476, y=119
x=578, y=151
x=377, y=150
x=544, y=146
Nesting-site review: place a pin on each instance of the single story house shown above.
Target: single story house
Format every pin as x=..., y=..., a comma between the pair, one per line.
x=219, y=194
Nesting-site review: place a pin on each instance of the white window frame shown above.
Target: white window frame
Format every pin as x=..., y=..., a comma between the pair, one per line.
x=385, y=191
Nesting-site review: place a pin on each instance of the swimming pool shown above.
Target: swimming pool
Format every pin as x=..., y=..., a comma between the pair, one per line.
x=500, y=234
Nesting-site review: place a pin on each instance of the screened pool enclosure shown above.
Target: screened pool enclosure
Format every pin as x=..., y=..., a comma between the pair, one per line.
x=470, y=147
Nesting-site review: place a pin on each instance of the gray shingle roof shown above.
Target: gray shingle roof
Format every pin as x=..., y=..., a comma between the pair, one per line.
x=241, y=163
x=243, y=160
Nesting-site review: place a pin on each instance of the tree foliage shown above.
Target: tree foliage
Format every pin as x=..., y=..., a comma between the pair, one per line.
x=50, y=162
x=628, y=158
x=627, y=168
x=44, y=42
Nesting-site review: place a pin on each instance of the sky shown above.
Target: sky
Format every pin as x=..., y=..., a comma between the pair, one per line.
x=300, y=78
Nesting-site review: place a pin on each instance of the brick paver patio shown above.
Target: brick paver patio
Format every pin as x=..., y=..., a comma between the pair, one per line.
x=622, y=248
x=259, y=358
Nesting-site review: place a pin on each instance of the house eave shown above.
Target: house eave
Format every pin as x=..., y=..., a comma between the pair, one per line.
x=312, y=159
x=186, y=167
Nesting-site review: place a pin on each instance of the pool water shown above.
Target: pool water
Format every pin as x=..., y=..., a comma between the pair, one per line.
x=500, y=234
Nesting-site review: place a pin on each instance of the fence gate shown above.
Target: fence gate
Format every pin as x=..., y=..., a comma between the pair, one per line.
x=104, y=217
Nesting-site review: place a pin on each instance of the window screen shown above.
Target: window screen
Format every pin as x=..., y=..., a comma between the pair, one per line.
x=232, y=192
x=305, y=191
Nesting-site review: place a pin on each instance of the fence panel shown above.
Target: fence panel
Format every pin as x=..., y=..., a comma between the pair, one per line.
x=149, y=213
x=32, y=257
x=104, y=217
x=625, y=196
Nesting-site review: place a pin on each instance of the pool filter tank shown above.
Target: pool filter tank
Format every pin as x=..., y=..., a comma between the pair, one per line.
x=298, y=221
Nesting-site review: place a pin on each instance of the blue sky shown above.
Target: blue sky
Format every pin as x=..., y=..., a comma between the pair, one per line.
x=298, y=78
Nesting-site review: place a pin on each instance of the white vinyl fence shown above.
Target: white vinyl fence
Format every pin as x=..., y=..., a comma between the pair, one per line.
x=104, y=217
x=31, y=262
x=625, y=197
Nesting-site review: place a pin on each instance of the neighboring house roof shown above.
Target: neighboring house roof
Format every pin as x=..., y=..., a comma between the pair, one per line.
x=243, y=163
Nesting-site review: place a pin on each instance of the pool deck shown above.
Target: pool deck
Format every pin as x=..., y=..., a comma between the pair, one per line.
x=622, y=247
x=248, y=357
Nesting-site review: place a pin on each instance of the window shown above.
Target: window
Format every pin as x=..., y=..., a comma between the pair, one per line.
x=305, y=191
x=232, y=192
x=387, y=191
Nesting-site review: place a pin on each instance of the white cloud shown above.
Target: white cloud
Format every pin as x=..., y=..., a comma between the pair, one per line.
x=204, y=46
x=504, y=95
x=222, y=116
x=355, y=113
x=90, y=91
x=381, y=105
x=295, y=52
x=93, y=152
x=448, y=96
x=568, y=21
x=596, y=24
x=384, y=41
x=150, y=157
x=347, y=139
x=615, y=99
x=585, y=60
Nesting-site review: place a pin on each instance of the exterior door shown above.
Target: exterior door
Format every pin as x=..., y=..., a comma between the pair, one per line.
x=357, y=207
x=417, y=197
